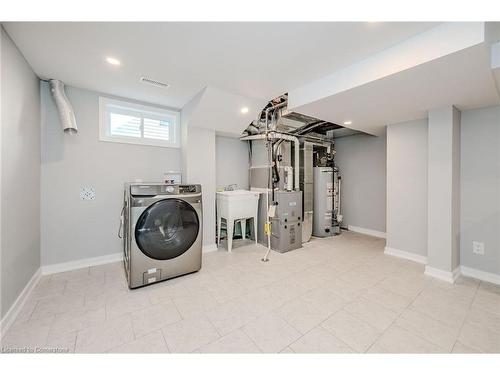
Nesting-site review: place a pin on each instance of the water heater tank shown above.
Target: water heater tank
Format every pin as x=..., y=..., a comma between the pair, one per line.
x=323, y=202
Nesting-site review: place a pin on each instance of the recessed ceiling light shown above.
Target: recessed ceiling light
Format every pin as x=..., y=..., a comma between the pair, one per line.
x=244, y=110
x=113, y=61
x=347, y=122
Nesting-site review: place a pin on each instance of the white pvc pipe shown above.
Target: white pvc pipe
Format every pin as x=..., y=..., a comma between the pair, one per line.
x=286, y=137
x=268, y=136
x=296, y=167
x=269, y=161
x=266, y=256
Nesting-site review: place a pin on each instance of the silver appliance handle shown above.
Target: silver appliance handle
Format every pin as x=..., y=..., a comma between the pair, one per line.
x=122, y=219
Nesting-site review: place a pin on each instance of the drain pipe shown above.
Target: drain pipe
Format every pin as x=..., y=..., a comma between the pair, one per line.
x=266, y=136
x=269, y=181
x=267, y=228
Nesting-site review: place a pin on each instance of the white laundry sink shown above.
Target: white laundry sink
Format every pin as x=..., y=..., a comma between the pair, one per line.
x=236, y=205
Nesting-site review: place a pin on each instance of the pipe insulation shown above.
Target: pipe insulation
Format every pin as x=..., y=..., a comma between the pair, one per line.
x=64, y=107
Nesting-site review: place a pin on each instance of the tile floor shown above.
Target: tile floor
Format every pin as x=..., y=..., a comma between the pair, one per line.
x=336, y=295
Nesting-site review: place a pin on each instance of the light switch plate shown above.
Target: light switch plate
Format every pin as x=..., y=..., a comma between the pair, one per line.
x=478, y=247
x=87, y=193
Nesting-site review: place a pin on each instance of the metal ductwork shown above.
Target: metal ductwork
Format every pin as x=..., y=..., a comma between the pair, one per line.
x=285, y=145
x=64, y=107
x=277, y=117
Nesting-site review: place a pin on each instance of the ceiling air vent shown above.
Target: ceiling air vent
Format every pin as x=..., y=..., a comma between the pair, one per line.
x=154, y=82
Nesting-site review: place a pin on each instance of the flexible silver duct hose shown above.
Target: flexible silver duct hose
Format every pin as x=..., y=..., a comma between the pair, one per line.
x=66, y=113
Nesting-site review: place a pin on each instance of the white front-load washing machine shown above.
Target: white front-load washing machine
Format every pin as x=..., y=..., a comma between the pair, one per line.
x=162, y=231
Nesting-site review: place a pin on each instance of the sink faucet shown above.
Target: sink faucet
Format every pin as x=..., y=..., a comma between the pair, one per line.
x=230, y=187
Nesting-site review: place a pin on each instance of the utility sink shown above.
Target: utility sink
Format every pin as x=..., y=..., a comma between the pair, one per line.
x=238, y=192
x=236, y=205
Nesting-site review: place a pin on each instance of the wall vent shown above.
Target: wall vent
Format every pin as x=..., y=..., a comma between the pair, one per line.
x=154, y=82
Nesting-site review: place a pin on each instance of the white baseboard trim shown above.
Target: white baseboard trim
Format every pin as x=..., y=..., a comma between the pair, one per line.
x=480, y=275
x=449, y=277
x=82, y=263
x=369, y=232
x=18, y=304
x=405, y=255
x=96, y=261
x=209, y=248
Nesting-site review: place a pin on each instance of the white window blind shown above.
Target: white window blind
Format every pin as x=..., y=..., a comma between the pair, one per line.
x=133, y=123
x=156, y=129
x=125, y=126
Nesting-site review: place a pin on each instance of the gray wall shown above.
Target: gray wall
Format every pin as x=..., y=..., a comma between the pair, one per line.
x=407, y=187
x=20, y=170
x=362, y=162
x=480, y=188
x=231, y=162
x=74, y=229
x=200, y=169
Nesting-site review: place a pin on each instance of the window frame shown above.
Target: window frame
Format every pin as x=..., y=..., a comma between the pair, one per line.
x=128, y=108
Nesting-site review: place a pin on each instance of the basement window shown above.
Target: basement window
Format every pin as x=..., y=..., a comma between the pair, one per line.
x=126, y=122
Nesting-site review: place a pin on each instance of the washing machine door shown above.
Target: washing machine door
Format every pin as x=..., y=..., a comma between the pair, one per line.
x=167, y=229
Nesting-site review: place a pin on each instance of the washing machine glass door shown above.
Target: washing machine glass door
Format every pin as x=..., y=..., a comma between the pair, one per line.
x=167, y=229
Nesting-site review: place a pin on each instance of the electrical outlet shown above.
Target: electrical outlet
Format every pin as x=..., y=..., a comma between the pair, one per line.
x=478, y=247
x=87, y=193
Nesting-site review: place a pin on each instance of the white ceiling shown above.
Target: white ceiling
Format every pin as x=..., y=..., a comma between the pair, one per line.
x=220, y=111
x=463, y=79
x=447, y=65
x=256, y=60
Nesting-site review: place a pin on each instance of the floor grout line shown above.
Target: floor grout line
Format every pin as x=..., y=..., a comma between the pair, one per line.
x=393, y=322
x=319, y=325
x=165, y=340
x=257, y=346
x=467, y=313
x=363, y=257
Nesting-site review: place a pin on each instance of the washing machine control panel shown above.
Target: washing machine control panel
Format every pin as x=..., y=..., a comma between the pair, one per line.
x=160, y=189
x=188, y=189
